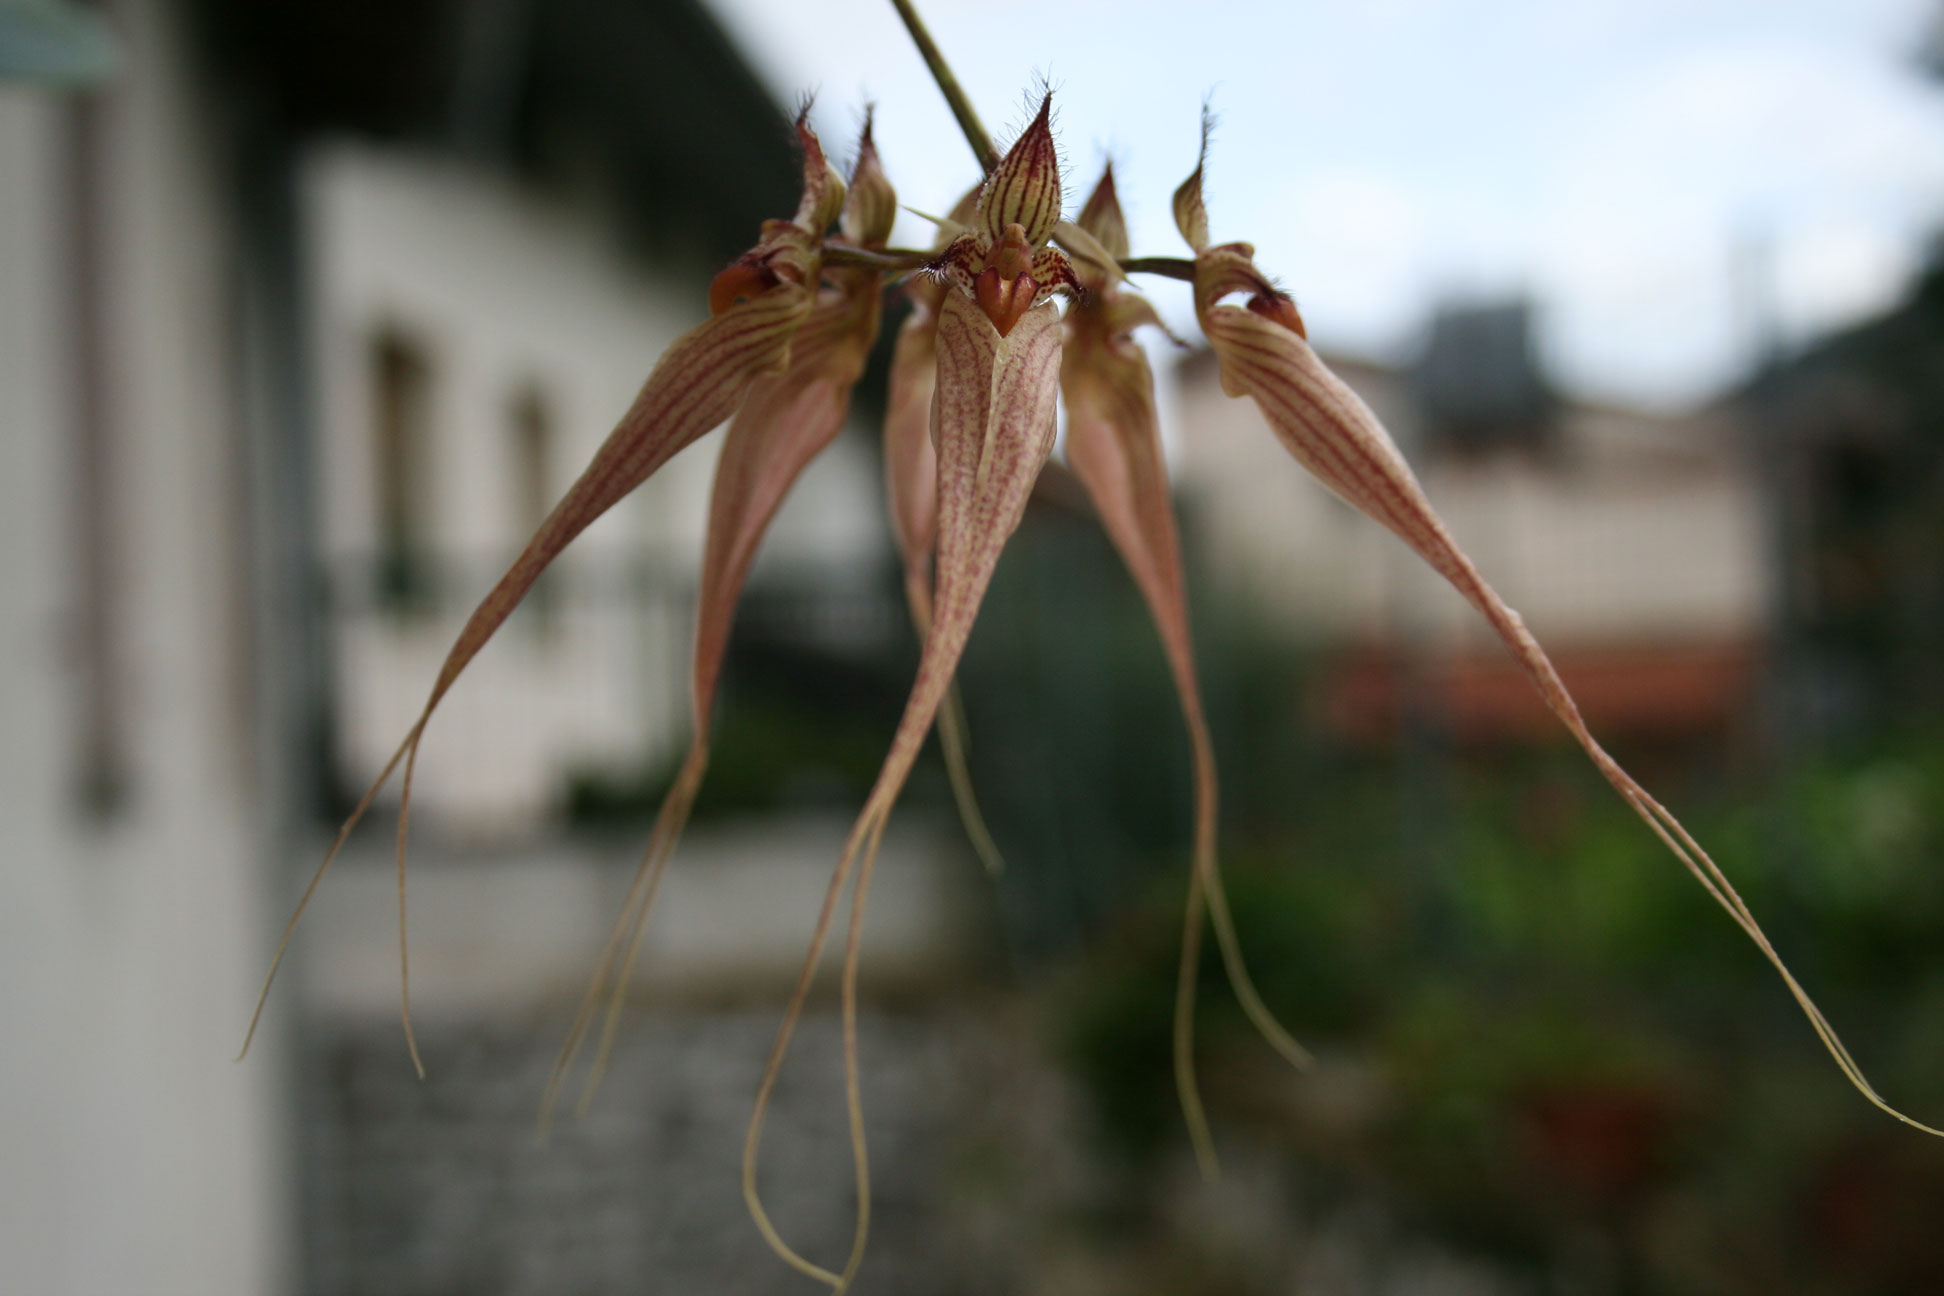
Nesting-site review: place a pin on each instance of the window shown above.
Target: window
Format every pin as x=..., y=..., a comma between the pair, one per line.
x=401, y=379
x=530, y=426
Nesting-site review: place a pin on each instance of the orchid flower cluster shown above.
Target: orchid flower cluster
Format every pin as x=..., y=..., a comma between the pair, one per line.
x=979, y=363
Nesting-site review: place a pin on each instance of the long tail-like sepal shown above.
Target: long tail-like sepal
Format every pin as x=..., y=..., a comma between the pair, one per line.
x=757, y=304
x=993, y=419
x=1326, y=427
x=1114, y=446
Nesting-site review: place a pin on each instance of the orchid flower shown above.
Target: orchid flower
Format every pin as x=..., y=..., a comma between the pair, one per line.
x=997, y=339
x=978, y=366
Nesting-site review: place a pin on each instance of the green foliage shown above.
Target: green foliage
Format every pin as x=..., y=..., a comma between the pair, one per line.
x=1558, y=1028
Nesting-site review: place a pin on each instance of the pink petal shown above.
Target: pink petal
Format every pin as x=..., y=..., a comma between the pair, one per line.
x=910, y=460
x=1113, y=444
x=992, y=418
x=911, y=484
x=784, y=423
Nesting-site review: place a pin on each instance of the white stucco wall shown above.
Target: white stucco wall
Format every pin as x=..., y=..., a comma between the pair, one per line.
x=134, y=1155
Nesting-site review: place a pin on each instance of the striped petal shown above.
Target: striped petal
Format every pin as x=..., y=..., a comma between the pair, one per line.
x=1263, y=354
x=992, y=419
x=910, y=460
x=911, y=486
x=757, y=306
x=1113, y=444
x=784, y=423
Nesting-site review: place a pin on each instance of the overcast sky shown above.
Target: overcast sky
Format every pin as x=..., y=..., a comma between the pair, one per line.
x=1651, y=171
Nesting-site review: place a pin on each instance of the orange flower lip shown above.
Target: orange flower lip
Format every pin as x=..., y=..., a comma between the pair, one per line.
x=1004, y=300
x=1005, y=289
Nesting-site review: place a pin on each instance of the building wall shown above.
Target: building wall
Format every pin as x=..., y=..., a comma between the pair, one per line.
x=134, y=1154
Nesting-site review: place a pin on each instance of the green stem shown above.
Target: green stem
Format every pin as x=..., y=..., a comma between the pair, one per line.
x=968, y=117
x=1172, y=267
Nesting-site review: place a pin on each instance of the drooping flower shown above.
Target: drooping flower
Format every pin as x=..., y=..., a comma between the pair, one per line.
x=977, y=369
x=997, y=338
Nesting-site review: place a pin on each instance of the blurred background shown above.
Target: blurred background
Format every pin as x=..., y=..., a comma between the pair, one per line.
x=308, y=312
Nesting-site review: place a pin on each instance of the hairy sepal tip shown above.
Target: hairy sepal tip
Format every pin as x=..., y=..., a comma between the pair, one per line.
x=871, y=208
x=823, y=187
x=1191, y=216
x=1024, y=189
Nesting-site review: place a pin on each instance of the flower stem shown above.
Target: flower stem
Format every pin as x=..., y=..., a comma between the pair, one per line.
x=1172, y=267
x=968, y=117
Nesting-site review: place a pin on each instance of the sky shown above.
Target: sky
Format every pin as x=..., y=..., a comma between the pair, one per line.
x=1671, y=181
